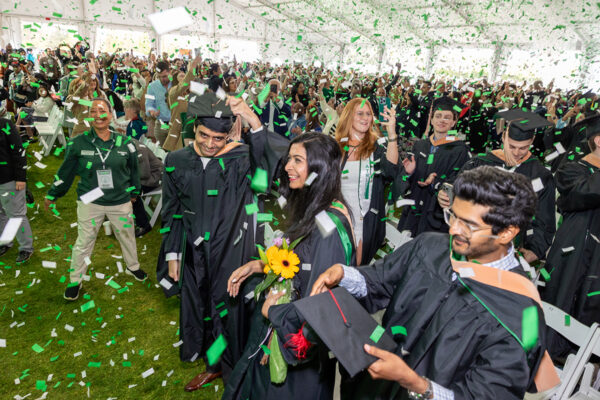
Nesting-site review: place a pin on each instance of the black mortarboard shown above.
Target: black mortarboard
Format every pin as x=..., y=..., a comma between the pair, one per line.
x=212, y=111
x=522, y=124
x=446, y=103
x=345, y=327
x=590, y=124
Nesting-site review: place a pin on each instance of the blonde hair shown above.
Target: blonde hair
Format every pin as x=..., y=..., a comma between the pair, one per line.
x=344, y=126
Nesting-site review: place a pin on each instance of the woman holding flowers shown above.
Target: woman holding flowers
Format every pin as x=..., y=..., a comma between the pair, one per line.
x=275, y=364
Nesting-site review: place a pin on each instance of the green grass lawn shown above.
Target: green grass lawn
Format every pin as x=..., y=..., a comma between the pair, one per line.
x=82, y=353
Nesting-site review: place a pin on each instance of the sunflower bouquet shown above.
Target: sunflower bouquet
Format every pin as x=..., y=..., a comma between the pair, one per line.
x=280, y=266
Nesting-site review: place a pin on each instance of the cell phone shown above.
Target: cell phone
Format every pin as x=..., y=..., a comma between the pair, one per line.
x=449, y=189
x=384, y=102
x=273, y=88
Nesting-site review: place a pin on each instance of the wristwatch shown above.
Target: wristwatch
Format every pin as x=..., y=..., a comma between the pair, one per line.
x=428, y=394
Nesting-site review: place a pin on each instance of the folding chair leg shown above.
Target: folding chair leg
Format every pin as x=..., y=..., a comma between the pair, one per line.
x=156, y=212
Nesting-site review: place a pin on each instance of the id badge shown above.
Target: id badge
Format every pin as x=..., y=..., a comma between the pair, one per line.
x=105, y=180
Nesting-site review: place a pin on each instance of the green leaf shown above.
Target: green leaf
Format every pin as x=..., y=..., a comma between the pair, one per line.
x=271, y=277
x=295, y=243
x=263, y=256
x=277, y=365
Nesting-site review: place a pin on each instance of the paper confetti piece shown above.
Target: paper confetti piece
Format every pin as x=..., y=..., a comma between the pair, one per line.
x=398, y=330
x=377, y=333
x=92, y=195
x=87, y=306
x=10, y=230
x=530, y=327
x=325, y=223
x=260, y=181
x=216, y=349
x=170, y=20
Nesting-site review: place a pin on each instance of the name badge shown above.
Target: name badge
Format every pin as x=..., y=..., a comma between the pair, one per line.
x=105, y=180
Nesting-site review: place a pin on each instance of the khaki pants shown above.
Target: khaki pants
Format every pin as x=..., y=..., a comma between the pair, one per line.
x=159, y=133
x=89, y=221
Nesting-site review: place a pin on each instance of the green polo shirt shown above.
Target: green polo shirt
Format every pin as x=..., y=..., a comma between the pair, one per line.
x=82, y=159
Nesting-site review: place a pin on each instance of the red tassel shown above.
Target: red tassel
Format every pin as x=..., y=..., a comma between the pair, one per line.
x=298, y=343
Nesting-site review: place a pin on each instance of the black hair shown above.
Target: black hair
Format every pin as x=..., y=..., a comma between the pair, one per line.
x=162, y=66
x=221, y=125
x=324, y=158
x=214, y=67
x=509, y=196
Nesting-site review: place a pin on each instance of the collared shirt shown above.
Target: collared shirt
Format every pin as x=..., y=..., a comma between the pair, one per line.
x=354, y=282
x=156, y=99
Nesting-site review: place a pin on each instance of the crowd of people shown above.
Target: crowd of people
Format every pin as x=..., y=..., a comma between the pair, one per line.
x=474, y=172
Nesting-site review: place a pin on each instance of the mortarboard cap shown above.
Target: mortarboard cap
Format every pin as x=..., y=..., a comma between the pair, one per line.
x=591, y=126
x=212, y=112
x=522, y=124
x=446, y=103
x=345, y=327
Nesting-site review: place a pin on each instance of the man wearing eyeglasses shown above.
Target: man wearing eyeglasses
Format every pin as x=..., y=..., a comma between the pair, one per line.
x=468, y=325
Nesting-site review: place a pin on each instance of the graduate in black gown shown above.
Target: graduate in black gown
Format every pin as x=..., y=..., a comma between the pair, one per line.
x=433, y=161
x=459, y=308
x=515, y=156
x=207, y=230
x=574, y=258
x=311, y=377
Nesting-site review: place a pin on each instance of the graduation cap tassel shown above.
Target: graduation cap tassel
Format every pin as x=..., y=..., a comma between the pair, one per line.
x=348, y=325
x=298, y=343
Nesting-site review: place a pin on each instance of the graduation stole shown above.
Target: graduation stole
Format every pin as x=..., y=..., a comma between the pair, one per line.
x=345, y=238
x=500, y=154
x=439, y=142
x=592, y=159
x=546, y=376
x=228, y=147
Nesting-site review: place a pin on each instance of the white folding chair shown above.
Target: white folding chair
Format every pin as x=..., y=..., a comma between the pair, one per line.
x=51, y=130
x=584, y=337
x=154, y=213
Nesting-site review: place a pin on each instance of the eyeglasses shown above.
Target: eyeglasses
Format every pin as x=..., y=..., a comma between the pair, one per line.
x=464, y=226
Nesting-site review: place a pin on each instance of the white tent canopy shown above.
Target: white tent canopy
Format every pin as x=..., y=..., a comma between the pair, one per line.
x=523, y=39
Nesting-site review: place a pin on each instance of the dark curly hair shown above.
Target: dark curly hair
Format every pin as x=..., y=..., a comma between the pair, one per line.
x=509, y=196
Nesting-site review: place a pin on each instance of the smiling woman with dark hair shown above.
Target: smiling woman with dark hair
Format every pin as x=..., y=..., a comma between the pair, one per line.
x=310, y=184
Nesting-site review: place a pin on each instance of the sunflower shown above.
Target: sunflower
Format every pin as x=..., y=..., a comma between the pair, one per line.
x=287, y=264
x=274, y=260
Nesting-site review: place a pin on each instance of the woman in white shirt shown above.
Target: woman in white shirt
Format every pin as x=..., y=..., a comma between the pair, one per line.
x=369, y=165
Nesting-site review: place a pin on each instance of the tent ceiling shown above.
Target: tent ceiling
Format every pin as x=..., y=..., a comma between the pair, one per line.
x=481, y=23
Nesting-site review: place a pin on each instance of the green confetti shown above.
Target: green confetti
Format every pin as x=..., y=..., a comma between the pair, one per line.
x=216, y=349
x=251, y=208
x=530, y=327
x=260, y=181
x=377, y=333
x=37, y=348
x=87, y=306
x=593, y=294
x=398, y=330
x=354, y=39
x=430, y=159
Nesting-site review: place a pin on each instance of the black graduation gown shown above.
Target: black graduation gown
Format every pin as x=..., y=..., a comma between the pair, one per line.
x=215, y=236
x=451, y=338
x=374, y=220
x=574, y=258
x=478, y=132
x=426, y=214
x=423, y=108
x=543, y=226
x=312, y=378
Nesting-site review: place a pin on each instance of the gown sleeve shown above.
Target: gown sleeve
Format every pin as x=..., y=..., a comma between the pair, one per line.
x=544, y=223
x=579, y=191
x=171, y=211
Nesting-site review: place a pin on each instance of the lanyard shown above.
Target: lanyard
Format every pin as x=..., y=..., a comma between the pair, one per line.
x=103, y=159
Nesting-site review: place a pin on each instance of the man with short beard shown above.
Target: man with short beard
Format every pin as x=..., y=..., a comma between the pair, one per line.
x=457, y=305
